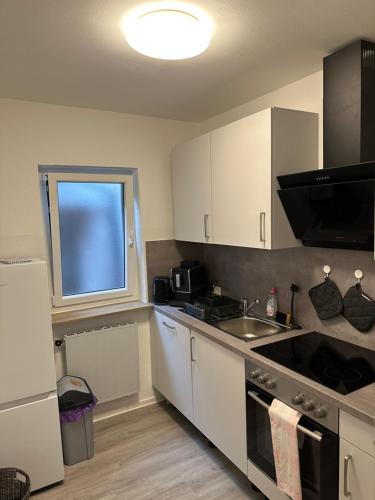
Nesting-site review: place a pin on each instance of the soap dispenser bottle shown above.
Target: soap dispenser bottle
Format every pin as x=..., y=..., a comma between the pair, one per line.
x=272, y=304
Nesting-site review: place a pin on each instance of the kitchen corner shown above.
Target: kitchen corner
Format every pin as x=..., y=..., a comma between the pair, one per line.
x=360, y=404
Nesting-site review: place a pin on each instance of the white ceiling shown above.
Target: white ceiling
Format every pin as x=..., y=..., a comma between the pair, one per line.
x=73, y=52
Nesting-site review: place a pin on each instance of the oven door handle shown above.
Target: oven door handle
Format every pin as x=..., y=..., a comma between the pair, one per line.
x=318, y=436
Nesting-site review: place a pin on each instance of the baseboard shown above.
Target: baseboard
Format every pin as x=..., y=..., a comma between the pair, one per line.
x=125, y=409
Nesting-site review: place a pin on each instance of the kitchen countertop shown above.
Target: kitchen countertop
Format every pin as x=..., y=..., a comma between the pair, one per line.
x=360, y=403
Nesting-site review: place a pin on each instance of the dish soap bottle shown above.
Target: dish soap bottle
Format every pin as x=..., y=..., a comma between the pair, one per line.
x=272, y=304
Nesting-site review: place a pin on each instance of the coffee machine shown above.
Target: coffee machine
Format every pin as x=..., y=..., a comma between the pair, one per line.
x=189, y=280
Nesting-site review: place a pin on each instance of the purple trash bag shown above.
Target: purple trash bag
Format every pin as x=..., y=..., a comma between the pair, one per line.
x=77, y=413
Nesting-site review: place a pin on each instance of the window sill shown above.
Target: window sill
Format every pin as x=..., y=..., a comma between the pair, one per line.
x=61, y=317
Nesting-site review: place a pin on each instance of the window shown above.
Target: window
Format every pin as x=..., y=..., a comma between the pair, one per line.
x=91, y=223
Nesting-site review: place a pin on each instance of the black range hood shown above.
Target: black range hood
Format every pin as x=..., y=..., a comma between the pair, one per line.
x=334, y=206
x=331, y=208
x=349, y=105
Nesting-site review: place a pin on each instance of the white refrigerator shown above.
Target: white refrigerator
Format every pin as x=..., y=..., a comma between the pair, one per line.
x=29, y=420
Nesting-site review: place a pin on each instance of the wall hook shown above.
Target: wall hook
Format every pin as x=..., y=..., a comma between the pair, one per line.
x=359, y=275
x=327, y=270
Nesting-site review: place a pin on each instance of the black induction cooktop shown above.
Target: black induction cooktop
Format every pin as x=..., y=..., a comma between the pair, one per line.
x=339, y=365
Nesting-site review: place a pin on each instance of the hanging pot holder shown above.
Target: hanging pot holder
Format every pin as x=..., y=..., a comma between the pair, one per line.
x=359, y=309
x=326, y=299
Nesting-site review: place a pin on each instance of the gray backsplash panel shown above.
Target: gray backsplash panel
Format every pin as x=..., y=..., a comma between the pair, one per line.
x=245, y=272
x=164, y=254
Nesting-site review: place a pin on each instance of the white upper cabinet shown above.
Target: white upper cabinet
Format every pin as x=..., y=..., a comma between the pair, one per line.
x=191, y=172
x=241, y=181
x=245, y=159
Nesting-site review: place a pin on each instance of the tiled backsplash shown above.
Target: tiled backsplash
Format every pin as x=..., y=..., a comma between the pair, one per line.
x=244, y=272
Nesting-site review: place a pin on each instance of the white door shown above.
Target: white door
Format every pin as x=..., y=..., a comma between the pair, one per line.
x=357, y=473
x=191, y=171
x=30, y=440
x=219, y=397
x=241, y=182
x=26, y=341
x=173, y=358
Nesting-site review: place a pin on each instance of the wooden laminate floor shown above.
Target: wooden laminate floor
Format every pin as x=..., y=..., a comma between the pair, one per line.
x=151, y=454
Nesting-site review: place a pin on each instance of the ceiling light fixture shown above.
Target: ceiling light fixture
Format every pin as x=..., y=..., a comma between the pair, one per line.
x=168, y=30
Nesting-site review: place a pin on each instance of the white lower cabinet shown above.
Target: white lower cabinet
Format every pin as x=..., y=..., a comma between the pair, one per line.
x=219, y=397
x=204, y=381
x=357, y=459
x=357, y=473
x=171, y=363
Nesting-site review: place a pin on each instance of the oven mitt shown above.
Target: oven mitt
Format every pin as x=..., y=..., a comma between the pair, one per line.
x=359, y=309
x=327, y=300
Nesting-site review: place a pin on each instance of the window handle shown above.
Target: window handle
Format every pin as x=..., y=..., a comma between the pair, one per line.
x=131, y=240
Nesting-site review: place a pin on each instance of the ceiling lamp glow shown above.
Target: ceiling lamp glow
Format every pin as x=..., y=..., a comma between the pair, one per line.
x=164, y=31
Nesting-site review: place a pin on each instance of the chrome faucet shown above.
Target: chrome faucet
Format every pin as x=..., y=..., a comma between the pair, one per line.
x=246, y=307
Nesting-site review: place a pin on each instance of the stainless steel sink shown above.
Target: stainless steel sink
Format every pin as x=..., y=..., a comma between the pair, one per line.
x=250, y=327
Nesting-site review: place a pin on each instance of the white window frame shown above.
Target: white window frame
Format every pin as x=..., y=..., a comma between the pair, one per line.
x=131, y=290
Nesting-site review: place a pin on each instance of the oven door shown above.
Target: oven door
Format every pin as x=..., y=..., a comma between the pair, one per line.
x=319, y=456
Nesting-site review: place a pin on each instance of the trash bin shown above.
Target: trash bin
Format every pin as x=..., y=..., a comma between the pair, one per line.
x=14, y=484
x=76, y=403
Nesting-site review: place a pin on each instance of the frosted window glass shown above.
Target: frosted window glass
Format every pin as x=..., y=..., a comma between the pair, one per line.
x=92, y=236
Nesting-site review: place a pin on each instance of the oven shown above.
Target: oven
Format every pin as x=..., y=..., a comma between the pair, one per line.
x=318, y=451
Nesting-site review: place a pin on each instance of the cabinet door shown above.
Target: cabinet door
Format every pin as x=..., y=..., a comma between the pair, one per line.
x=241, y=182
x=172, y=363
x=191, y=172
x=26, y=340
x=30, y=440
x=357, y=471
x=219, y=397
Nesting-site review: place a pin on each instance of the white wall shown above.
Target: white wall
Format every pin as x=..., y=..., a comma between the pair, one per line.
x=33, y=134
x=305, y=95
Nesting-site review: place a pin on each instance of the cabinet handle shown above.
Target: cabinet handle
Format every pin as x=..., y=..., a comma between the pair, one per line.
x=347, y=459
x=169, y=326
x=205, y=222
x=262, y=227
x=192, y=349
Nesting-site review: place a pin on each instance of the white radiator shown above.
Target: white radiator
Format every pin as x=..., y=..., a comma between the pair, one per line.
x=107, y=358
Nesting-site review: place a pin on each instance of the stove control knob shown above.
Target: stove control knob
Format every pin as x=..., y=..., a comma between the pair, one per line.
x=298, y=399
x=320, y=412
x=271, y=384
x=263, y=378
x=308, y=405
x=255, y=373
